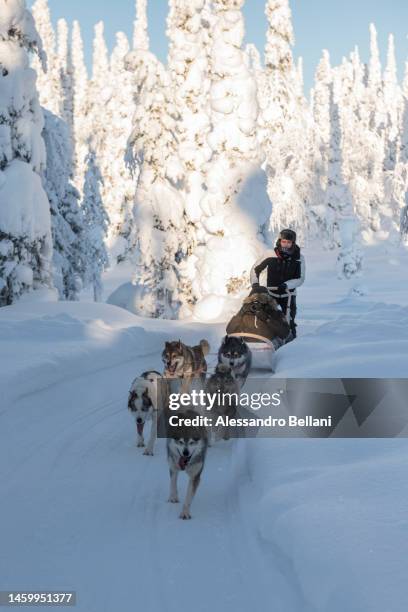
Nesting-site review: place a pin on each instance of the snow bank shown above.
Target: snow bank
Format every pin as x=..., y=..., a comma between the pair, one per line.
x=363, y=340
x=50, y=342
x=336, y=511
x=46, y=343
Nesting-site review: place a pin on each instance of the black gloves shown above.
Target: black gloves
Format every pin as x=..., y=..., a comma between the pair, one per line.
x=282, y=289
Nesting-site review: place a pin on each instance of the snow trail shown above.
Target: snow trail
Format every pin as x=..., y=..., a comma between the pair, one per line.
x=84, y=510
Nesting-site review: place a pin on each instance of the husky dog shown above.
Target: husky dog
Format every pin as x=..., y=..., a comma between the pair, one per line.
x=185, y=362
x=236, y=353
x=147, y=395
x=224, y=385
x=186, y=451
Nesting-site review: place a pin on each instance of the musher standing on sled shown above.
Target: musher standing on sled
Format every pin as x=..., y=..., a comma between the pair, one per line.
x=283, y=268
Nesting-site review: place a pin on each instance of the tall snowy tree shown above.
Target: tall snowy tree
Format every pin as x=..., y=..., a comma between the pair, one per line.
x=118, y=189
x=152, y=148
x=96, y=225
x=341, y=220
x=64, y=66
x=100, y=93
x=48, y=82
x=283, y=120
x=25, y=228
x=236, y=207
x=81, y=105
x=374, y=85
x=392, y=103
x=140, y=34
x=67, y=219
x=188, y=65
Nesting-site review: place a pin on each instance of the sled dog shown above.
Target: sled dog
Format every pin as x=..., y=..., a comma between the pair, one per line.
x=147, y=396
x=236, y=353
x=225, y=387
x=186, y=451
x=185, y=363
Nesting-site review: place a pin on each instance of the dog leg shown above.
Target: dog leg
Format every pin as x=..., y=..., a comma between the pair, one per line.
x=192, y=488
x=173, y=497
x=153, y=435
x=140, y=439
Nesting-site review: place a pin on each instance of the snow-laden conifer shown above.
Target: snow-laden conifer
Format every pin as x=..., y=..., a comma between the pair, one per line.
x=67, y=221
x=25, y=229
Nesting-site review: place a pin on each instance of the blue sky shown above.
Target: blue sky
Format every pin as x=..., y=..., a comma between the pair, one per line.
x=337, y=25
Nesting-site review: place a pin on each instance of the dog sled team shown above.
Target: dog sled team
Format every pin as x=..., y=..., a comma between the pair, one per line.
x=267, y=315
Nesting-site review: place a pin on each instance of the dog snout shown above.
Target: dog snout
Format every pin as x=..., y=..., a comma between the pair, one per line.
x=139, y=420
x=186, y=453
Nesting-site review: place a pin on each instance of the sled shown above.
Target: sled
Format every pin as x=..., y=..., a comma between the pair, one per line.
x=263, y=326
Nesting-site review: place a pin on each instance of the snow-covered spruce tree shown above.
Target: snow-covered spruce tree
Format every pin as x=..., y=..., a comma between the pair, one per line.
x=318, y=151
x=64, y=66
x=159, y=207
x=283, y=121
x=188, y=65
x=341, y=220
x=48, y=82
x=100, y=89
x=25, y=229
x=96, y=225
x=393, y=107
x=118, y=190
x=67, y=221
x=81, y=104
x=378, y=116
x=321, y=103
x=236, y=207
x=140, y=34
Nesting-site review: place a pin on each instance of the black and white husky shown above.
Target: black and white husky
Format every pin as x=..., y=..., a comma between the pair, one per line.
x=146, y=397
x=186, y=452
x=235, y=353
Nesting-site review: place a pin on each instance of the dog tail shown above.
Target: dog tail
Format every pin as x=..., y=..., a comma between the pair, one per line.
x=205, y=347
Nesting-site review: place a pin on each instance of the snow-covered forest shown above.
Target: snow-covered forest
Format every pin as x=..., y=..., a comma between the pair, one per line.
x=179, y=168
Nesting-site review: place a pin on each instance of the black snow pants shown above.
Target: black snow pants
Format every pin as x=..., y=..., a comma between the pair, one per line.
x=283, y=303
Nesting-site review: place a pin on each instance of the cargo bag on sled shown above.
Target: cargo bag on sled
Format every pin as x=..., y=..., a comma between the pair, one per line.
x=260, y=318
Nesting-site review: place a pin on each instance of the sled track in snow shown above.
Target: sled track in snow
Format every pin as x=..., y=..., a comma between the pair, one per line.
x=104, y=505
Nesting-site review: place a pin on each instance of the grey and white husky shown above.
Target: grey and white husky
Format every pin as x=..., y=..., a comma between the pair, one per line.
x=147, y=396
x=236, y=353
x=186, y=452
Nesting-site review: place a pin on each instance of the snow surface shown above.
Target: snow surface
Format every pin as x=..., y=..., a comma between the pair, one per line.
x=290, y=525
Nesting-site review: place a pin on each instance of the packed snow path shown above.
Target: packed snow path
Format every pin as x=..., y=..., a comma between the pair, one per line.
x=84, y=510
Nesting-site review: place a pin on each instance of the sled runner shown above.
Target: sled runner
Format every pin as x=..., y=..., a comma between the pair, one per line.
x=261, y=323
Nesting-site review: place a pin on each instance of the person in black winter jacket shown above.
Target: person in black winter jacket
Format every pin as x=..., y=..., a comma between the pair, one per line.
x=282, y=270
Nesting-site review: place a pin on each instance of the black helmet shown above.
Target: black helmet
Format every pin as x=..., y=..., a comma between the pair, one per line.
x=288, y=234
